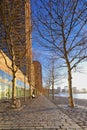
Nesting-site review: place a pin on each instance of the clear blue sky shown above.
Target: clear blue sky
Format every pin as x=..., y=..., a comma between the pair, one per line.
x=79, y=79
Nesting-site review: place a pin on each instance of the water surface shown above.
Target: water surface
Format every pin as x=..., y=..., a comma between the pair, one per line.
x=79, y=96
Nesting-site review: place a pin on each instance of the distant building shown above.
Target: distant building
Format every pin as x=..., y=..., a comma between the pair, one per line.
x=65, y=90
x=59, y=89
x=83, y=90
x=38, y=75
x=74, y=89
x=56, y=91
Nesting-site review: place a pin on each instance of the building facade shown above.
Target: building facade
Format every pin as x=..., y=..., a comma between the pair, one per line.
x=15, y=34
x=38, y=75
x=15, y=42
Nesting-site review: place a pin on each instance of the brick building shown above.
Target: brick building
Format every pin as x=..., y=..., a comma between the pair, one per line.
x=15, y=38
x=15, y=34
x=38, y=75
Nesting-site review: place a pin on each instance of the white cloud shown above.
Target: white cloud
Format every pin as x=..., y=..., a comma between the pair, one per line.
x=80, y=79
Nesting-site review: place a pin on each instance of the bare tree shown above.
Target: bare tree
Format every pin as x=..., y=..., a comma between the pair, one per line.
x=52, y=75
x=59, y=26
x=13, y=37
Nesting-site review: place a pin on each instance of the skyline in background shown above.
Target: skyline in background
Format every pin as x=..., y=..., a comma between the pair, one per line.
x=79, y=79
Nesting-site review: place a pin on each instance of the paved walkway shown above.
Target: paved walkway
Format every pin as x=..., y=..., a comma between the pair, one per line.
x=40, y=115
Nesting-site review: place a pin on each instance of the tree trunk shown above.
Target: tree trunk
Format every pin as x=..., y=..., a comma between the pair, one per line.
x=13, y=70
x=13, y=86
x=24, y=88
x=71, y=102
x=53, y=90
x=53, y=79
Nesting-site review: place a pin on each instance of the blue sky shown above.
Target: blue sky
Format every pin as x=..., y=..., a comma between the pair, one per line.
x=79, y=79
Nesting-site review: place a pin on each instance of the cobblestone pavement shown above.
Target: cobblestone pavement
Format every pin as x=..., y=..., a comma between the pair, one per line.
x=40, y=115
x=78, y=114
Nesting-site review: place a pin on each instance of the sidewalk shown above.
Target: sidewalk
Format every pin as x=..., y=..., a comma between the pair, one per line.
x=40, y=115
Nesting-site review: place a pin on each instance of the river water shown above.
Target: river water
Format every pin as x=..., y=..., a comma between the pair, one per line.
x=79, y=96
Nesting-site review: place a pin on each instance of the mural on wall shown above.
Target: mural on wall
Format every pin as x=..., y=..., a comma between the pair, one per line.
x=6, y=86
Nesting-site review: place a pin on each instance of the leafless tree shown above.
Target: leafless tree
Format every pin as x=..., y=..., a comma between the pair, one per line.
x=52, y=73
x=13, y=37
x=59, y=28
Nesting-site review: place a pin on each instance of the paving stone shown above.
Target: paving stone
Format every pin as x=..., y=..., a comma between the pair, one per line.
x=40, y=115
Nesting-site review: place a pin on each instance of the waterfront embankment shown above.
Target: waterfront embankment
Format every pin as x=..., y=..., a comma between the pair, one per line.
x=78, y=113
x=64, y=101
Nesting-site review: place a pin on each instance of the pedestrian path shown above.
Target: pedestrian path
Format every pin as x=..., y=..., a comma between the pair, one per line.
x=40, y=115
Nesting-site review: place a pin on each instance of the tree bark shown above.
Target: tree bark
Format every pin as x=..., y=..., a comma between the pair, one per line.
x=53, y=79
x=71, y=102
x=14, y=70
x=13, y=86
x=53, y=90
